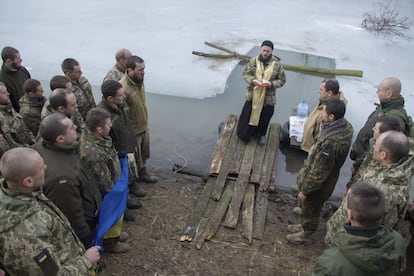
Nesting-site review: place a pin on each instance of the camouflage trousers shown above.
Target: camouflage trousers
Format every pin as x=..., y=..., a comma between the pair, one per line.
x=311, y=210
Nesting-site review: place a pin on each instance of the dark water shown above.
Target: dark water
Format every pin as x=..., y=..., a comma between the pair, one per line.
x=189, y=127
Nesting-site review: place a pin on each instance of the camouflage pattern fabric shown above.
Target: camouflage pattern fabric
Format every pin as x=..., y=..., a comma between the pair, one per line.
x=76, y=117
x=30, y=109
x=101, y=158
x=278, y=79
x=13, y=129
x=393, y=180
x=113, y=74
x=84, y=96
x=317, y=179
x=360, y=147
x=36, y=238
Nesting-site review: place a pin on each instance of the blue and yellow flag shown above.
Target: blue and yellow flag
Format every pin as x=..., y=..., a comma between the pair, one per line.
x=113, y=204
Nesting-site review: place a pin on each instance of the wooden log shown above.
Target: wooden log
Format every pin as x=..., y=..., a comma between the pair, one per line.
x=239, y=190
x=325, y=71
x=225, y=167
x=201, y=54
x=198, y=211
x=272, y=146
x=247, y=212
x=260, y=212
x=295, y=68
x=222, y=142
x=235, y=54
x=217, y=216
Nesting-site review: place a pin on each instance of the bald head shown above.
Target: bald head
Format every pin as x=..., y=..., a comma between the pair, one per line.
x=389, y=89
x=18, y=164
x=391, y=146
x=121, y=57
x=122, y=54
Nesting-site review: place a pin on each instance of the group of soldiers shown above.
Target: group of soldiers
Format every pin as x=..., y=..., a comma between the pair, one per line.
x=381, y=175
x=361, y=232
x=71, y=147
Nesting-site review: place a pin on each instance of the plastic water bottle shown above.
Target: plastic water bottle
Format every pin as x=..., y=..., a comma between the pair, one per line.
x=302, y=109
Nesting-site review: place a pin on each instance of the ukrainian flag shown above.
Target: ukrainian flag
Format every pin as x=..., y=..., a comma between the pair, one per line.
x=113, y=204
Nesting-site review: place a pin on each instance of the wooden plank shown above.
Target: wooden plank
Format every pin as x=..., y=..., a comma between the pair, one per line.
x=247, y=212
x=260, y=212
x=217, y=216
x=243, y=179
x=198, y=211
x=257, y=163
x=224, y=170
x=272, y=146
x=222, y=142
x=236, y=161
x=272, y=181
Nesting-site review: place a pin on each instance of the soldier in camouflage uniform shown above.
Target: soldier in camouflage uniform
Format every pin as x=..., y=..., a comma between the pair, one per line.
x=389, y=168
x=35, y=236
x=81, y=86
x=317, y=179
x=391, y=103
x=69, y=183
x=99, y=155
x=14, y=131
x=63, y=101
x=63, y=82
x=118, y=70
x=123, y=137
x=31, y=104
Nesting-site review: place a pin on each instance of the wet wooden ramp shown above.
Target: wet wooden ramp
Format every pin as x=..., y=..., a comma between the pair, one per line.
x=236, y=193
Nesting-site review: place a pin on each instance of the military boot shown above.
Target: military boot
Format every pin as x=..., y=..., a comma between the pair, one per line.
x=117, y=248
x=298, y=237
x=294, y=228
x=144, y=176
x=297, y=211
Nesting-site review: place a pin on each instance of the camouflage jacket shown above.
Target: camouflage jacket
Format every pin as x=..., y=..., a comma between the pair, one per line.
x=30, y=226
x=76, y=117
x=72, y=187
x=84, y=96
x=101, y=158
x=122, y=134
x=30, y=109
x=393, y=180
x=326, y=157
x=137, y=107
x=278, y=79
x=361, y=145
x=113, y=74
x=13, y=129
